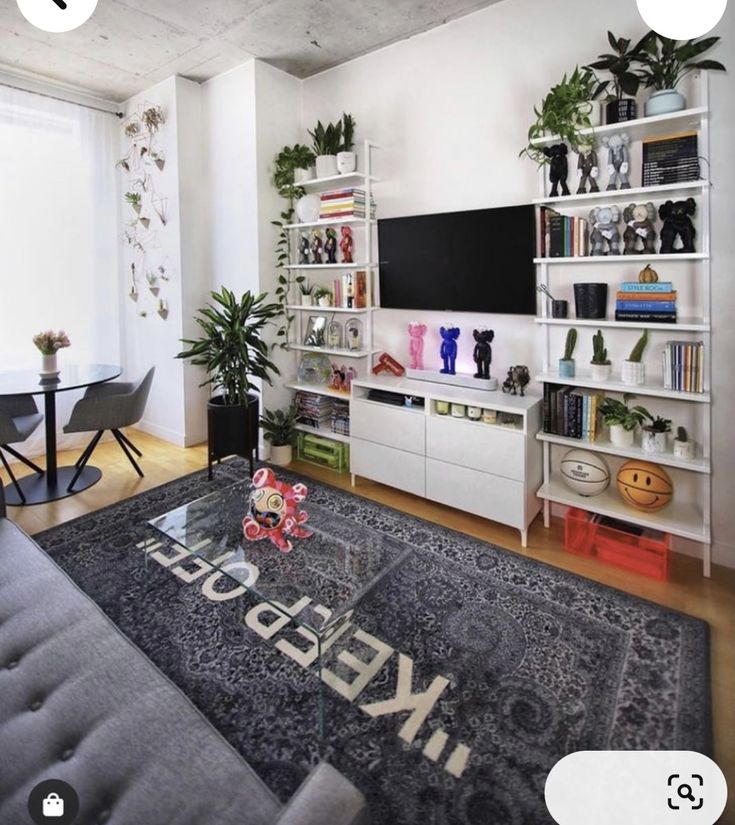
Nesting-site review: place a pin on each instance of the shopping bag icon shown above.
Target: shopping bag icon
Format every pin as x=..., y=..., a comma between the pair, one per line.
x=53, y=805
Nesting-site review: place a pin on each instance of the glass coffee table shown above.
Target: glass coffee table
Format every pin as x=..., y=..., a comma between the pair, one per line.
x=316, y=586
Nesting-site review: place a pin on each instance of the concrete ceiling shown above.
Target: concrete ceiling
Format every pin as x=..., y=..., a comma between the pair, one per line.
x=129, y=45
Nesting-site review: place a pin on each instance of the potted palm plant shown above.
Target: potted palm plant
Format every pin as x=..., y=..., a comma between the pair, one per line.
x=601, y=365
x=327, y=142
x=346, y=158
x=279, y=429
x=634, y=372
x=622, y=420
x=232, y=350
x=625, y=79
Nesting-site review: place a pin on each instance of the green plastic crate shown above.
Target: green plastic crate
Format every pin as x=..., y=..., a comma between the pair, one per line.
x=324, y=452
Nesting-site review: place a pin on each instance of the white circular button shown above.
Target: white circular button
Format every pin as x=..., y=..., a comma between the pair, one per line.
x=681, y=19
x=57, y=15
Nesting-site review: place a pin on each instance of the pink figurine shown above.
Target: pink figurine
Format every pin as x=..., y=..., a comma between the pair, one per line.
x=345, y=245
x=416, y=344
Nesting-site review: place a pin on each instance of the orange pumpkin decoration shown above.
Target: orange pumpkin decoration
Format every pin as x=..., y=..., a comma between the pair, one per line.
x=648, y=275
x=644, y=485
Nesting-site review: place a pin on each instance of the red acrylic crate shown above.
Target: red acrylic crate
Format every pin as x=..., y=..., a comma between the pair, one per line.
x=641, y=550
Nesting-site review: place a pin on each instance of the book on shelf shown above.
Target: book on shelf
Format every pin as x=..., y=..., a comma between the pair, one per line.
x=572, y=412
x=670, y=159
x=635, y=286
x=565, y=236
x=654, y=305
x=647, y=317
x=646, y=306
x=683, y=366
x=345, y=203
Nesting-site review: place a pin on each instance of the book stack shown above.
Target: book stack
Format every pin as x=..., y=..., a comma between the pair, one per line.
x=562, y=236
x=572, y=412
x=672, y=159
x=313, y=410
x=683, y=366
x=341, y=417
x=646, y=302
x=345, y=203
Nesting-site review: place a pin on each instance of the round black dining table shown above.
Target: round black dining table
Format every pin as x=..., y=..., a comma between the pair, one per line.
x=52, y=485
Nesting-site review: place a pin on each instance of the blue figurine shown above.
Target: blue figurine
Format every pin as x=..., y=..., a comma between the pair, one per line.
x=448, y=350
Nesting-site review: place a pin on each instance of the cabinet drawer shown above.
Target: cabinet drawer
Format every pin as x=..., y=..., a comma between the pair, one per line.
x=492, y=497
x=399, y=427
x=397, y=468
x=478, y=446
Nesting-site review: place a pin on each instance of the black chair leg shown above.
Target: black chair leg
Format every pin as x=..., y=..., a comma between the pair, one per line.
x=129, y=443
x=13, y=479
x=26, y=461
x=84, y=458
x=127, y=452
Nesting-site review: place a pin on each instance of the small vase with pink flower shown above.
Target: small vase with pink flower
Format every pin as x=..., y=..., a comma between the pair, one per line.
x=48, y=344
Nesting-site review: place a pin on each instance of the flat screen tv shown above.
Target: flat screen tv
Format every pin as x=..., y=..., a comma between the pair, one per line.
x=475, y=261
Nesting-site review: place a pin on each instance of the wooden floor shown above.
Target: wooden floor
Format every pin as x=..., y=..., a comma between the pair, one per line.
x=710, y=599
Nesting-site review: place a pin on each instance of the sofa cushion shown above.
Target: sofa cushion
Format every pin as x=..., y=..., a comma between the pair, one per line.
x=79, y=702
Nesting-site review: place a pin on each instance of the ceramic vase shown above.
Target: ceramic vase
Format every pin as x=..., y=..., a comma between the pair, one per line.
x=282, y=455
x=634, y=373
x=653, y=441
x=601, y=372
x=326, y=166
x=620, y=437
x=663, y=101
x=307, y=300
x=566, y=368
x=49, y=366
x=346, y=162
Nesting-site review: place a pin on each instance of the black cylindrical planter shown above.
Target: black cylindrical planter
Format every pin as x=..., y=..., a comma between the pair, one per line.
x=559, y=309
x=619, y=111
x=232, y=429
x=590, y=300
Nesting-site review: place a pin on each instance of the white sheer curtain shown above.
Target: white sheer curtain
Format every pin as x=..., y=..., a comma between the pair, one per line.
x=58, y=237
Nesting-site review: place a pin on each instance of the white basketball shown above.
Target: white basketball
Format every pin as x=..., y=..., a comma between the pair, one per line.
x=584, y=472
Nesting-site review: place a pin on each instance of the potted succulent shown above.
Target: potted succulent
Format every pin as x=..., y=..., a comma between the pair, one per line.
x=665, y=62
x=232, y=351
x=346, y=159
x=625, y=80
x=566, y=364
x=634, y=372
x=279, y=429
x=655, y=434
x=133, y=198
x=307, y=293
x=327, y=142
x=622, y=420
x=601, y=365
x=683, y=447
x=323, y=296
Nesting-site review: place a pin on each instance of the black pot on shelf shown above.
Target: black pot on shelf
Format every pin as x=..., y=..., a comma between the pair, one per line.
x=232, y=429
x=620, y=111
x=590, y=300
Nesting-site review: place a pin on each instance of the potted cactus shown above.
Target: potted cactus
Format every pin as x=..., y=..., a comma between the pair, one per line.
x=634, y=372
x=655, y=435
x=622, y=420
x=683, y=447
x=566, y=364
x=601, y=365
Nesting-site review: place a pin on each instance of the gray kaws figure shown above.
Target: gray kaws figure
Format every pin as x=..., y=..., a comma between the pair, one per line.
x=587, y=168
x=603, y=223
x=639, y=219
x=617, y=161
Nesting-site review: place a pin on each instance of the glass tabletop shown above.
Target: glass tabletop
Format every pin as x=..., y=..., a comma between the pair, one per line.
x=333, y=570
x=71, y=377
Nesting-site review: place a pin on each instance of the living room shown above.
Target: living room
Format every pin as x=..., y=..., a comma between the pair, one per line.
x=449, y=502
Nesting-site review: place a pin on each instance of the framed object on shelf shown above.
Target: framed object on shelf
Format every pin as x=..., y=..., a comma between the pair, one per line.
x=316, y=331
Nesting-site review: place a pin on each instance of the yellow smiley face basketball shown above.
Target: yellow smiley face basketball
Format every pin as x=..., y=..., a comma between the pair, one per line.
x=645, y=486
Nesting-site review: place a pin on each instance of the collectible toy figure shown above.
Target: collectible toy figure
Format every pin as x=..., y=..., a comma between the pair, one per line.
x=303, y=250
x=416, y=332
x=274, y=511
x=604, y=220
x=587, y=168
x=517, y=379
x=617, y=161
x=345, y=245
x=342, y=378
x=639, y=219
x=448, y=351
x=675, y=215
x=387, y=363
x=483, y=354
x=316, y=247
x=330, y=246
x=558, y=168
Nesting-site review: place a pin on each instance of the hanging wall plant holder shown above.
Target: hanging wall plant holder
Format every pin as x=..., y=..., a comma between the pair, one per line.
x=146, y=222
x=160, y=162
x=133, y=294
x=160, y=205
x=162, y=309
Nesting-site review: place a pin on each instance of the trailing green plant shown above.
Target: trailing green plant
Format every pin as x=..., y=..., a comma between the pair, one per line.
x=231, y=346
x=637, y=352
x=562, y=112
x=327, y=140
x=570, y=344
x=279, y=427
x=620, y=62
x=616, y=412
x=348, y=132
x=681, y=434
x=286, y=162
x=599, y=353
x=666, y=62
x=658, y=424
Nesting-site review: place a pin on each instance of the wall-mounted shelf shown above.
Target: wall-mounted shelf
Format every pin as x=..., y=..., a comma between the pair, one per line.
x=650, y=192
x=329, y=222
x=357, y=265
x=621, y=259
x=339, y=181
x=328, y=310
x=650, y=388
x=317, y=389
x=682, y=324
x=340, y=353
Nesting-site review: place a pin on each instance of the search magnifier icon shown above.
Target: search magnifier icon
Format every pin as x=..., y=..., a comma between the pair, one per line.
x=685, y=792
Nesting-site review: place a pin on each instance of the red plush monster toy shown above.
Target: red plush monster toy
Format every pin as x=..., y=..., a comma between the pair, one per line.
x=274, y=511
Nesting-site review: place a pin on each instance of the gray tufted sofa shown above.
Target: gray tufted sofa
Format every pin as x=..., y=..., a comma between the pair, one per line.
x=79, y=702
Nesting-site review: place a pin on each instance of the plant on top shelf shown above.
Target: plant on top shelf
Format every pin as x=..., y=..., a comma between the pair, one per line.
x=346, y=158
x=666, y=62
x=622, y=419
x=327, y=141
x=279, y=428
x=566, y=364
x=683, y=447
x=655, y=434
x=626, y=80
x=634, y=372
x=601, y=365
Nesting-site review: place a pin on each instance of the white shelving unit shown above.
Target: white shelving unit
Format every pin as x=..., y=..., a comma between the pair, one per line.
x=688, y=516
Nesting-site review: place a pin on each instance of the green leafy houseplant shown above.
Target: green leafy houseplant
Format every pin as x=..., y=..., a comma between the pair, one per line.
x=655, y=433
x=348, y=132
x=658, y=424
x=625, y=79
x=622, y=419
x=327, y=140
x=279, y=427
x=665, y=62
x=286, y=162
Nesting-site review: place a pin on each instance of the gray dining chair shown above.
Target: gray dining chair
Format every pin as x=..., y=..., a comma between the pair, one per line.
x=19, y=417
x=110, y=406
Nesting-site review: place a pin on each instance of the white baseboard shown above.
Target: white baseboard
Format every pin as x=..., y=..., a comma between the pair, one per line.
x=164, y=433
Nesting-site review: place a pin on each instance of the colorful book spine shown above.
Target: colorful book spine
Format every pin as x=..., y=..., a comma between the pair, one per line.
x=635, y=286
x=646, y=306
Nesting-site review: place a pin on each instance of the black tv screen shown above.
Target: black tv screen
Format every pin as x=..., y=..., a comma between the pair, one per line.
x=475, y=261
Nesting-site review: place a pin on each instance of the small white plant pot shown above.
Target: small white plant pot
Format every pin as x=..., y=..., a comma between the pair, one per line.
x=326, y=166
x=281, y=456
x=346, y=162
x=49, y=366
x=601, y=372
x=325, y=301
x=303, y=175
x=620, y=437
x=683, y=449
x=653, y=441
x=634, y=373
x=307, y=300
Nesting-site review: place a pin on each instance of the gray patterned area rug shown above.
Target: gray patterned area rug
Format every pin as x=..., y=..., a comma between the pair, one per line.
x=463, y=678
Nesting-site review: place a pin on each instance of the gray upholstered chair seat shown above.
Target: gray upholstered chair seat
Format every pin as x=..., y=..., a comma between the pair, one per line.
x=25, y=425
x=19, y=417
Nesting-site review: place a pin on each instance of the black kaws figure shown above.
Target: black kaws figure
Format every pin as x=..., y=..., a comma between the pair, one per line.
x=483, y=355
x=675, y=215
x=558, y=168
